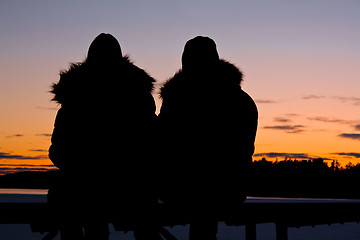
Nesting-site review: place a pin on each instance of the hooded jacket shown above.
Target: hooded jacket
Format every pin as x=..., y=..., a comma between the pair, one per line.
x=103, y=129
x=209, y=126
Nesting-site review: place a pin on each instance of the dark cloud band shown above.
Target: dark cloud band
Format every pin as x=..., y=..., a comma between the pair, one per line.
x=287, y=128
x=349, y=154
x=354, y=136
x=5, y=155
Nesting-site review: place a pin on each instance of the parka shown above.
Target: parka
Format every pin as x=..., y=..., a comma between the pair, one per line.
x=208, y=128
x=102, y=140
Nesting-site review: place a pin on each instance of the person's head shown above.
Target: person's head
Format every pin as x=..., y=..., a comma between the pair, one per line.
x=104, y=51
x=200, y=53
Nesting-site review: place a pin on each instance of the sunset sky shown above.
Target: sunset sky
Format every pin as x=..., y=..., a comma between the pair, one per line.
x=300, y=58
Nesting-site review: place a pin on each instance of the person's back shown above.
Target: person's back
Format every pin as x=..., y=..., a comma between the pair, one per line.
x=209, y=124
x=103, y=132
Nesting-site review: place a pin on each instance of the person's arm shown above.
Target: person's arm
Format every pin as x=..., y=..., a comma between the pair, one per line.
x=56, y=150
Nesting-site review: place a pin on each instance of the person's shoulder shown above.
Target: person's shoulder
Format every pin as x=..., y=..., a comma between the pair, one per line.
x=137, y=75
x=248, y=101
x=230, y=73
x=172, y=85
x=69, y=79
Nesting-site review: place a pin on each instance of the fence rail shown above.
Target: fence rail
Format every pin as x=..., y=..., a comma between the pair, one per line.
x=283, y=214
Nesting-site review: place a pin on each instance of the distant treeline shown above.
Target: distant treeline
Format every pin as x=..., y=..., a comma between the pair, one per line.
x=286, y=178
x=317, y=163
x=304, y=178
x=29, y=179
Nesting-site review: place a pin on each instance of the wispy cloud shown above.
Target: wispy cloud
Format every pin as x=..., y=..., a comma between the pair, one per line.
x=15, y=135
x=46, y=108
x=27, y=165
x=292, y=114
x=337, y=121
x=312, y=96
x=282, y=154
x=43, y=135
x=264, y=101
x=328, y=120
x=287, y=128
x=38, y=150
x=5, y=155
x=353, y=100
x=348, y=154
x=288, y=155
x=280, y=119
x=6, y=169
x=354, y=136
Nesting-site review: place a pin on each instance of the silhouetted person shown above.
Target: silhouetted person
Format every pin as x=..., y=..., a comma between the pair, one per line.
x=102, y=144
x=208, y=128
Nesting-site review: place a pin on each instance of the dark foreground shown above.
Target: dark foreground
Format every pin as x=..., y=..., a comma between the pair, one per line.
x=294, y=179
x=265, y=231
x=285, y=214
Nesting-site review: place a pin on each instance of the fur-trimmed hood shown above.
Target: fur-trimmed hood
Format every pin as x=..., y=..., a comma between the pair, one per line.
x=81, y=82
x=228, y=74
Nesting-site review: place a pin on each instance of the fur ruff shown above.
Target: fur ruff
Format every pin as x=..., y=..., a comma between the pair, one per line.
x=78, y=79
x=227, y=73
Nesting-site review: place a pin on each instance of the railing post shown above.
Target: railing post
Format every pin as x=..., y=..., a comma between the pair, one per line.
x=250, y=231
x=281, y=231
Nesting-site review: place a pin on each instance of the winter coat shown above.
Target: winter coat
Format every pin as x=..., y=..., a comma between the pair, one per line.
x=208, y=128
x=102, y=140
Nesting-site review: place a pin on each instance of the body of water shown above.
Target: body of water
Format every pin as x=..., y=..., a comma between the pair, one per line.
x=347, y=231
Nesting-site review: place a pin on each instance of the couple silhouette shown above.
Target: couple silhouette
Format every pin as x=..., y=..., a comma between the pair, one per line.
x=118, y=159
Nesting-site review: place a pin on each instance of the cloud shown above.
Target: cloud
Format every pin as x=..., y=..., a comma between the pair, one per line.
x=5, y=155
x=328, y=120
x=46, y=108
x=38, y=150
x=288, y=155
x=15, y=135
x=27, y=165
x=287, y=128
x=312, y=96
x=43, y=134
x=336, y=121
x=264, y=101
x=280, y=119
x=353, y=100
x=348, y=154
x=7, y=170
x=292, y=114
x=282, y=154
x=354, y=136
x=11, y=168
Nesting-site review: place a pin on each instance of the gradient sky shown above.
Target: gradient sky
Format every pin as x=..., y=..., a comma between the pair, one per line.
x=300, y=58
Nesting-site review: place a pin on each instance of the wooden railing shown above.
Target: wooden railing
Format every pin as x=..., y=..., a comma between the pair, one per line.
x=283, y=214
